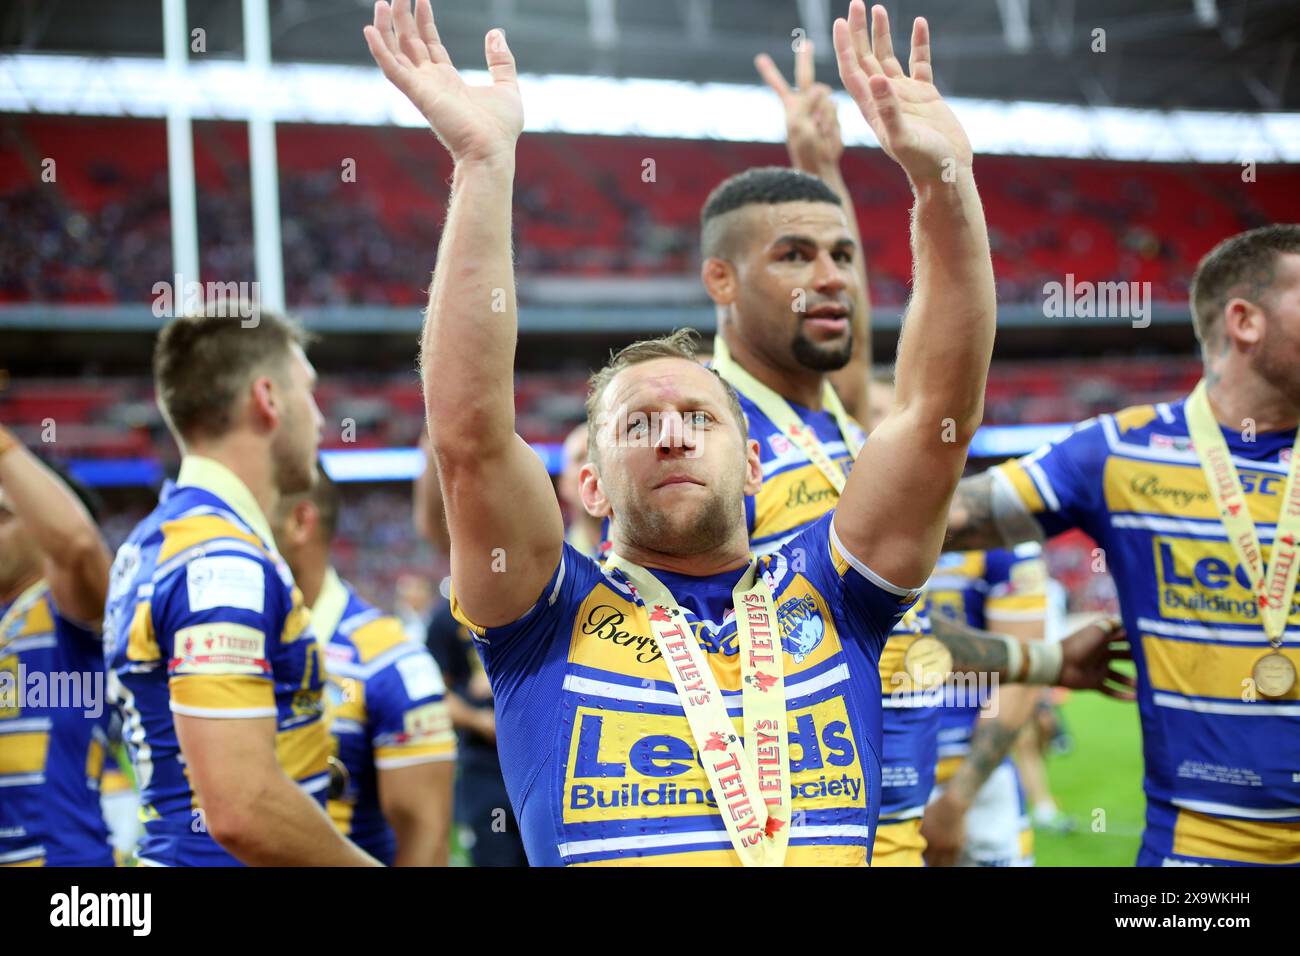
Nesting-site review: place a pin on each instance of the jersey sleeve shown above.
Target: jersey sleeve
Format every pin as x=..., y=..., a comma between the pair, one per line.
x=511, y=653
x=1060, y=484
x=407, y=711
x=1017, y=584
x=867, y=604
x=216, y=624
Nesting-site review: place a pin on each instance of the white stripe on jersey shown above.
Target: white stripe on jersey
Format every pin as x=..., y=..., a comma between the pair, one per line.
x=1258, y=708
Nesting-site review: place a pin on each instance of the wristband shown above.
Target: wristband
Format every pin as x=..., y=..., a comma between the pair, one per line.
x=1015, y=657
x=1045, y=662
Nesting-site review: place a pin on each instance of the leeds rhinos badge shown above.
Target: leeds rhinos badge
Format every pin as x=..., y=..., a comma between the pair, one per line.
x=802, y=627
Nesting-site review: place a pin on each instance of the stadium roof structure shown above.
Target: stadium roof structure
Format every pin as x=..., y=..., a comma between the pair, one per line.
x=1231, y=55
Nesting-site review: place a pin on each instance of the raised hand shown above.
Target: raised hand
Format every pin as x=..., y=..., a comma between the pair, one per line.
x=907, y=114
x=475, y=123
x=812, y=128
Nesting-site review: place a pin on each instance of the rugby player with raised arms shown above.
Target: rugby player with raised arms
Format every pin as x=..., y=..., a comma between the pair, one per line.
x=1196, y=507
x=784, y=267
x=53, y=578
x=648, y=712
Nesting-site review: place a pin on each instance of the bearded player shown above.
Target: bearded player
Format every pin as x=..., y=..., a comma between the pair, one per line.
x=784, y=267
x=609, y=683
x=1196, y=506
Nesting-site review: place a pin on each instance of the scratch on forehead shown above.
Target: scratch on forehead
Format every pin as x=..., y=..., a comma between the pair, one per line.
x=635, y=386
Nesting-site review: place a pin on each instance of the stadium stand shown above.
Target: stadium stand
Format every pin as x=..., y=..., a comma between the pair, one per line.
x=583, y=208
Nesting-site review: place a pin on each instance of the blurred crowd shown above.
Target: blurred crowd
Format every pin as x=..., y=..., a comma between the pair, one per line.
x=584, y=206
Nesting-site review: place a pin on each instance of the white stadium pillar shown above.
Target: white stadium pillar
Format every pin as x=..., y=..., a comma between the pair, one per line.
x=180, y=148
x=264, y=174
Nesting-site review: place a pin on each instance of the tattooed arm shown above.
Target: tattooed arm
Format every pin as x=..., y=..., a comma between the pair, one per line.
x=972, y=649
x=944, y=823
x=1083, y=661
x=984, y=515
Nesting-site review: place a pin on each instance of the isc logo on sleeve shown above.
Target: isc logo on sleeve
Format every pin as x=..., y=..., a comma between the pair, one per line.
x=226, y=580
x=420, y=676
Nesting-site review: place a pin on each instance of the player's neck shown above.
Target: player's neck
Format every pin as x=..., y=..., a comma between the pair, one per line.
x=1240, y=398
x=586, y=527
x=250, y=462
x=727, y=557
x=21, y=584
x=794, y=383
x=309, y=574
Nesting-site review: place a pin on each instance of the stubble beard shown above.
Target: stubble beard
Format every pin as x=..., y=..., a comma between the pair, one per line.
x=1277, y=362
x=292, y=470
x=821, y=358
x=669, y=532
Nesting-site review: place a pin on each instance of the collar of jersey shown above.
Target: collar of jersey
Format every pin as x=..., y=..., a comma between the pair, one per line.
x=705, y=590
x=212, y=476
x=330, y=604
x=1264, y=447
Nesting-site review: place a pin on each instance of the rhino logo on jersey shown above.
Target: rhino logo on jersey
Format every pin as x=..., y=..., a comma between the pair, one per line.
x=802, y=627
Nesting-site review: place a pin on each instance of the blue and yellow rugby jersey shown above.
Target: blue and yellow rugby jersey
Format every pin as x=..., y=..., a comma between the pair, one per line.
x=794, y=493
x=982, y=589
x=1221, y=779
x=910, y=750
x=384, y=709
x=204, y=620
x=53, y=733
x=597, y=755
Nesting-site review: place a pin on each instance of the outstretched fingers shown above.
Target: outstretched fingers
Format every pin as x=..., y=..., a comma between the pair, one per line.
x=429, y=33
x=804, y=69
x=408, y=40
x=383, y=45
x=500, y=61
x=882, y=43
x=919, y=63
x=771, y=75
x=861, y=34
x=852, y=75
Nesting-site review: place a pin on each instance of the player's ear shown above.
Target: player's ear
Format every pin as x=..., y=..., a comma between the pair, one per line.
x=264, y=402
x=1243, y=322
x=719, y=277
x=753, y=467
x=593, y=495
x=299, y=525
x=308, y=520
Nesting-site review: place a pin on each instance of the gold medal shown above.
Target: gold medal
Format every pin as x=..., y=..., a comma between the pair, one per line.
x=340, y=778
x=1274, y=675
x=928, y=662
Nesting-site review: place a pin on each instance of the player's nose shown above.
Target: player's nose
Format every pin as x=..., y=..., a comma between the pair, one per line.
x=827, y=275
x=670, y=433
